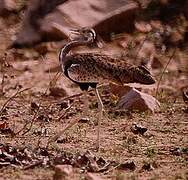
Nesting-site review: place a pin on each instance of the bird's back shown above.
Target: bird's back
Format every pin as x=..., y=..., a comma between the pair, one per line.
x=90, y=67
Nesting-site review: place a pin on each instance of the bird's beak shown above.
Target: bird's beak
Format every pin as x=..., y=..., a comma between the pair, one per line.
x=75, y=31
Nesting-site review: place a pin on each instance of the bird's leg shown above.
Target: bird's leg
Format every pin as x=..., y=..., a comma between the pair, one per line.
x=100, y=106
x=86, y=105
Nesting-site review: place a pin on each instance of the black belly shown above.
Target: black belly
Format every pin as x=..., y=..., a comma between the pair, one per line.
x=85, y=86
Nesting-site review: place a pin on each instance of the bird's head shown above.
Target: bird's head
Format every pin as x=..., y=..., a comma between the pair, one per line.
x=83, y=34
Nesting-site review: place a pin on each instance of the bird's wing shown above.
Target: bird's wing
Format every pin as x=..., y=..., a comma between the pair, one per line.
x=81, y=73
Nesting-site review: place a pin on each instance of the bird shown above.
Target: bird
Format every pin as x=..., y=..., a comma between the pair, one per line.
x=87, y=70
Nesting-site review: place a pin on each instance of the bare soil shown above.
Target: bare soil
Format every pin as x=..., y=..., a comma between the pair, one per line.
x=166, y=129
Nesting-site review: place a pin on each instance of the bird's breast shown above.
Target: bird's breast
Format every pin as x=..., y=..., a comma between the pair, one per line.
x=82, y=74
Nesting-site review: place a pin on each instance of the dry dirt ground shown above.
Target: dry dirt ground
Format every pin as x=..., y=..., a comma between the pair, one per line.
x=160, y=146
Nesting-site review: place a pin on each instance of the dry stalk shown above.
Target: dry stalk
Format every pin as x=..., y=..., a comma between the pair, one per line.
x=38, y=163
x=39, y=106
x=161, y=76
x=12, y=97
x=68, y=126
x=65, y=112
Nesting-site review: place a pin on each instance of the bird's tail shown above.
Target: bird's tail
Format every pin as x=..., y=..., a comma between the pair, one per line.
x=135, y=74
x=142, y=75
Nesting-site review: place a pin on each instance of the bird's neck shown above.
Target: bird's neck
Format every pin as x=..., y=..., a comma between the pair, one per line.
x=66, y=49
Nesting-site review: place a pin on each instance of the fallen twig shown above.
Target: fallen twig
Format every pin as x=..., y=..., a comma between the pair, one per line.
x=69, y=125
x=65, y=112
x=33, y=165
x=12, y=97
x=113, y=168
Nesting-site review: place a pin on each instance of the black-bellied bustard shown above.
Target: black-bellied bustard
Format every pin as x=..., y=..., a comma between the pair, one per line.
x=89, y=69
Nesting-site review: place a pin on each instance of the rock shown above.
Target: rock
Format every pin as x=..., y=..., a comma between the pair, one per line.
x=57, y=92
x=156, y=24
x=143, y=27
x=128, y=165
x=136, y=100
x=27, y=36
x=103, y=16
x=148, y=166
x=176, y=38
x=84, y=120
x=119, y=90
x=92, y=176
x=7, y=6
x=138, y=129
x=31, y=31
x=63, y=172
x=49, y=20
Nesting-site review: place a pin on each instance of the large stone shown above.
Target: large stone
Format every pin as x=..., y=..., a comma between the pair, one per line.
x=7, y=6
x=136, y=100
x=104, y=16
x=48, y=20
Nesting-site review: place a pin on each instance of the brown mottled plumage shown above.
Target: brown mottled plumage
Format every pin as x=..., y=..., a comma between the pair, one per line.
x=98, y=68
x=89, y=69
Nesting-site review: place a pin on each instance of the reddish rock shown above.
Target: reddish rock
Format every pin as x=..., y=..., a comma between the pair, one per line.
x=7, y=6
x=176, y=37
x=49, y=20
x=63, y=172
x=57, y=92
x=136, y=100
x=119, y=90
x=143, y=27
x=92, y=176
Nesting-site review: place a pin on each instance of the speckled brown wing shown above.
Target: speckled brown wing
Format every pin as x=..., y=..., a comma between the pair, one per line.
x=99, y=68
x=96, y=68
x=83, y=74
